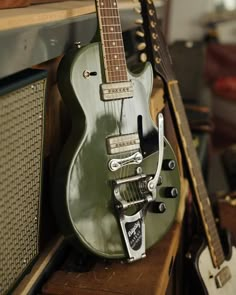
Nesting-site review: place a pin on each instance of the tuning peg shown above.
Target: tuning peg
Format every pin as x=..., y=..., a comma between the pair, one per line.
x=143, y=57
x=141, y=46
x=137, y=9
x=139, y=21
x=140, y=34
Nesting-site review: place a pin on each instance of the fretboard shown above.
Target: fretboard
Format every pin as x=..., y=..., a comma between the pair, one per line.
x=198, y=184
x=112, y=41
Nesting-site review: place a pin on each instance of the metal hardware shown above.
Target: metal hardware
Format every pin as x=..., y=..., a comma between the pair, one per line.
x=78, y=44
x=132, y=226
x=123, y=143
x=223, y=277
x=116, y=164
x=154, y=182
x=119, y=90
x=139, y=170
x=87, y=74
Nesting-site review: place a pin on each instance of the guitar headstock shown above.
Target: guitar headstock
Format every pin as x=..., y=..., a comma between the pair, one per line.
x=156, y=47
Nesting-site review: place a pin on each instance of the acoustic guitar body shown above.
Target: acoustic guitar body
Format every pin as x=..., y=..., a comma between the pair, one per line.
x=83, y=196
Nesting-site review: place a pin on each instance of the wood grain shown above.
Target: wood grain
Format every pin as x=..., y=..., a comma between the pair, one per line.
x=148, y=276
x=13, y=3
x=49, y=12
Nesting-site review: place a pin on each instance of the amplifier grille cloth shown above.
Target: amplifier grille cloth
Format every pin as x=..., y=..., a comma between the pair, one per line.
x=21, y=133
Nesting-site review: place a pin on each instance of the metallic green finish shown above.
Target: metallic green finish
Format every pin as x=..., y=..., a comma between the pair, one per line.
x=82, y=197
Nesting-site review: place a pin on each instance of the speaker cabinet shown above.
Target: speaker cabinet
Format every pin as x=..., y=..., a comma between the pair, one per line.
x=22, y=98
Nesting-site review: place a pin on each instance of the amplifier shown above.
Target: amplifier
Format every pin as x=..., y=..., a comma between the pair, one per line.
x=22, y=99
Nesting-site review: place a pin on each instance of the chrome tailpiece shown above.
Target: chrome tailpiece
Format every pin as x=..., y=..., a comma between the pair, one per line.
x=132, y=225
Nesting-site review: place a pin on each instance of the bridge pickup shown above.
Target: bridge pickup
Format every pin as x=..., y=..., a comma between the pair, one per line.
x=119, y=90
x=223, y=277
x=122, y=143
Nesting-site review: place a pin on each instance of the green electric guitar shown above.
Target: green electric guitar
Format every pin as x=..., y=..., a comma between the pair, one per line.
x=116, y=189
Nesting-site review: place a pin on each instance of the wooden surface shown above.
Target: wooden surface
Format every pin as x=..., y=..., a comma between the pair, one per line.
x=23, y=3
x=51, y=12
x=13, y=3
x=150, y=274
x=30, y=279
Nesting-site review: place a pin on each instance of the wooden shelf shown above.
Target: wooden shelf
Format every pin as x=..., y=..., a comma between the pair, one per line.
x=150, y=274
x=51, y=12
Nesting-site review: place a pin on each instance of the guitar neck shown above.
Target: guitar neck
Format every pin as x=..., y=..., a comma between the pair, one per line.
x=197, y=180
x=112, y=41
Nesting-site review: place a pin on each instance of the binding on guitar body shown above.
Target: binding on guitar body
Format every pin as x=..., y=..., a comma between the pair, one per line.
x=116, y=189
x=214, y=273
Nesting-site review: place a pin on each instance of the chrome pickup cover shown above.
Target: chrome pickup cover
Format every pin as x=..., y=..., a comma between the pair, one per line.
x=122, y=143
x=119, y=90
x=223, y=277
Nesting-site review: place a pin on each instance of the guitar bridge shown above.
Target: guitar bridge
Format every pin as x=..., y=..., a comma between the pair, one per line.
x=222, y=277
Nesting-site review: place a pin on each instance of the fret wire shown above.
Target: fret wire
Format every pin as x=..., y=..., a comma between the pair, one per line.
x=109, y=18
x=116, y=25
x=201, y=191
x=113, y=32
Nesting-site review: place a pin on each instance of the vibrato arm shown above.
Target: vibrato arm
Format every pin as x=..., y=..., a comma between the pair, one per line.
x=152, y=184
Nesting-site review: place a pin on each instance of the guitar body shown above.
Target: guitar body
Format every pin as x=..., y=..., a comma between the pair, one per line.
x=203, y=273
x=83, y=196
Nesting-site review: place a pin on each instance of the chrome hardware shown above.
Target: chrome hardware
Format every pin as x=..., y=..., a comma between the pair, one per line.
x=154, y=182
x=123, y=143
x=132, y=226
x=78, y=44
x=119, y=90
x=222, y=277
x=139, y=170
x=87, y=74
x=116, y=164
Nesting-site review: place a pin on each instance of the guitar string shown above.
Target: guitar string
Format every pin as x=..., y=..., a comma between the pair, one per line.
x=169, y=74
x=108, y=9
x=130, y=188
x=118, y=36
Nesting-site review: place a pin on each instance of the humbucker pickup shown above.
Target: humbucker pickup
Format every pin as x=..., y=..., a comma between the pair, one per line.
x=114, y=91
x=123, y=143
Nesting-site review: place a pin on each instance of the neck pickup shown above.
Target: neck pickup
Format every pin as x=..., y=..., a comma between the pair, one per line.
x=118, y=90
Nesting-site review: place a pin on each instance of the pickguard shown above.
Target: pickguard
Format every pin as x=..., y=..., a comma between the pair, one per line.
x=208, y=273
